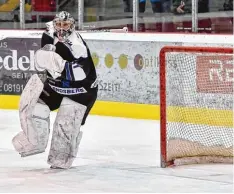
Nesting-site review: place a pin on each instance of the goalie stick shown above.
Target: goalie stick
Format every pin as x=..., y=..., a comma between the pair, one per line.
x=121, y=30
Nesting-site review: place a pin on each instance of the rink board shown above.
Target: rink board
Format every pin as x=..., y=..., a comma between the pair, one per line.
x=127, y=67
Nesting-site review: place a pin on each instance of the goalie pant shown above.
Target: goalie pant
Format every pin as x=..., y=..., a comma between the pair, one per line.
x=36, y=102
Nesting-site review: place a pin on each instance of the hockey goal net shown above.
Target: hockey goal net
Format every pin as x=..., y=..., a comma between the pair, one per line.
x=196, y=105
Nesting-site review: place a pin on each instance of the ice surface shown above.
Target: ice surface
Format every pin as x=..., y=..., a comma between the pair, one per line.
x=115, y=155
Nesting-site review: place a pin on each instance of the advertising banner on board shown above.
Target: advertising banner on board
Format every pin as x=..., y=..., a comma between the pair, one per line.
x=127, y=72
x=17, y=64
x=215, y=74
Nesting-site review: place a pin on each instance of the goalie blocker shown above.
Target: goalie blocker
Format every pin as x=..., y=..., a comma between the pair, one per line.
x=70, y=87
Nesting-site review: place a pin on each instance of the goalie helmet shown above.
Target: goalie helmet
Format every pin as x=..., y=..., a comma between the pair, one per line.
x=64, y=25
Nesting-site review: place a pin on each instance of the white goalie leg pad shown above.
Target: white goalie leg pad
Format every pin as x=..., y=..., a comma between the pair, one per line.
x=34, y=119
x=66, y=134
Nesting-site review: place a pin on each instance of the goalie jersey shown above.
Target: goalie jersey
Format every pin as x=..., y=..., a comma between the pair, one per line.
x=79, y=74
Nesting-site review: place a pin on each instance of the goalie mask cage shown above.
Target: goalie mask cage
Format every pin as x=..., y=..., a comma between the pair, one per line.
x=196, y=105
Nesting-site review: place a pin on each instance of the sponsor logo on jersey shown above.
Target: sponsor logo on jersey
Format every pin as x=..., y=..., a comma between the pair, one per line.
x=68, y=91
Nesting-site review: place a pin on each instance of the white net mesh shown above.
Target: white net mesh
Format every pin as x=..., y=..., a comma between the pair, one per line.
x=199, y=107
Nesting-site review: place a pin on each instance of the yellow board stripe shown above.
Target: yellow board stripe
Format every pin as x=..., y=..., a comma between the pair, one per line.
x=144, y=111
x=129, y=110
x=204, y=116
x=9, y=102
x=116, y=109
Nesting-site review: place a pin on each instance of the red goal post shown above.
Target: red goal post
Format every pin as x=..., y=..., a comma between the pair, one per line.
x=196, y=105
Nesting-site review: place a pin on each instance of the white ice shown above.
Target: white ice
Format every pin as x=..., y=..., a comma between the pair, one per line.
x=115, y=155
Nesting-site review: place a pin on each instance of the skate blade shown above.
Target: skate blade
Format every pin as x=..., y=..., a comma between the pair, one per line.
x=25, y=154
x=56, y=167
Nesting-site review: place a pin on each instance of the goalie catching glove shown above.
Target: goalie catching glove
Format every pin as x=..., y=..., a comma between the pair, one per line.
x=47, y=59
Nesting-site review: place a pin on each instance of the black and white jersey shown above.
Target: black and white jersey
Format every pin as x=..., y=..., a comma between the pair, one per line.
x=79, y=74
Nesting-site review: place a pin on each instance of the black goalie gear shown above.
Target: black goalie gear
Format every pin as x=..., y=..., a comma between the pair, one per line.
x=70, y=87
